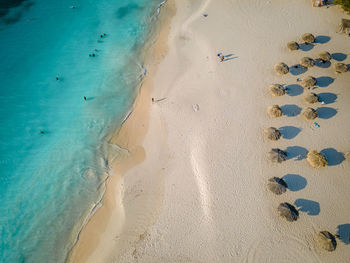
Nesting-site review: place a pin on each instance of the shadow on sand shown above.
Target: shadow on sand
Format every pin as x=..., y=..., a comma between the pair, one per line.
x=326, y=112
x=289, y=132
x=339, y=56
x=321, y=64
x=294, y=90
x=333, y=156
x=290, y=110
x=344, y=233
x=310, y=207
x=297, y=69
x=306, y=47
x=327, y=97
x=322, y=39
x=296, y=152
x=295, y=182
x=324, y=81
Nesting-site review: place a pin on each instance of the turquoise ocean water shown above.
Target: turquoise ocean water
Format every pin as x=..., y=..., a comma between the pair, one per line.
x=52, y=142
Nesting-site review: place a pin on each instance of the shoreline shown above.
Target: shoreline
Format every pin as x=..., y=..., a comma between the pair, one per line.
x=198, y=192
x=125, y=138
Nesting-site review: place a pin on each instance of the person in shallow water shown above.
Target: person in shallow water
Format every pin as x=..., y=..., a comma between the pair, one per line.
x=85, y=98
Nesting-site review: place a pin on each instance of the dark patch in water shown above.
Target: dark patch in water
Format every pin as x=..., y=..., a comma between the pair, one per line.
x=12, y=11
x=126, y=10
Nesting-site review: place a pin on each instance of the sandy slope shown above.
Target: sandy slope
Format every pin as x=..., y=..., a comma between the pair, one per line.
x=199, y=194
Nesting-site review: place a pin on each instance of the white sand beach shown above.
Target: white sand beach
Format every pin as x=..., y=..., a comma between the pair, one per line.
x=194, y=186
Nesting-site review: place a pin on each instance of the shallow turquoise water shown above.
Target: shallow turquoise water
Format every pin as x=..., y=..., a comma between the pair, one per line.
x=49, y=181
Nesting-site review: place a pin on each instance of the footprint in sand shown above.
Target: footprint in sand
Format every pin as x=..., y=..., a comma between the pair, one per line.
x=195, y=107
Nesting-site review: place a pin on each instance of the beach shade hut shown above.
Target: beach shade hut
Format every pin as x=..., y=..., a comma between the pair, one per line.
x=309, y=113
x=277, y=185
x=311, y=98
x=274, y=111
x=308, y=38
x=324, y=56
x=307, y=62
x=308, y=82
x=345, y=26
x=292, y=46
x=277, y=155
x=326, y=241
x=277, y=90
x=288, y=211
x=316, y=160
x=281, y=68
x=347, y=156
x=272, y=133
x=341, y=68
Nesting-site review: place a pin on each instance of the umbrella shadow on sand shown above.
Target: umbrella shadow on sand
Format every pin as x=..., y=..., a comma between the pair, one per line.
x=333, y=156
x=294, y=90
x=327, y=97
x=295, y=182
x=289, y=132
x=306, y=47
x=297, y=70
x=290, y=110
x=344, y=233
x=339, y=56
x=296, y=152
x=322, y=39
x=312, y=208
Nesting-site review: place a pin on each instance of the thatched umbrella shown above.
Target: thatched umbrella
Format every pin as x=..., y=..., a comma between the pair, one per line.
x=281, y=68
x=288, y=211
x=272, y=133
x=307, y=62
x=308, y=82
x=341, y=68
x=274, y=111
x=277, y=185
x=311, y=98
x=316, y=160
x=277, y=155
x=293, y=46
x=324, y=56
x=309, y=113
x=327, y=241
x=347, y=156
x=308, y=38
x=277, y=90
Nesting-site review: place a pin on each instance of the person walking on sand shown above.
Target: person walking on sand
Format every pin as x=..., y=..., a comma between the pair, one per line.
x=221, y=57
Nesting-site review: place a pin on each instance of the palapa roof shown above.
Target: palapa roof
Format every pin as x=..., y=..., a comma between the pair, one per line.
x=308, y=82
x=311, y=98
x=309, y=113
x=316, y=160
x=293, y=45
x=325, y=56
x=277, y=155
x=272, y=133
x=274, y=111
x=307, y=62
x=288, y=211
x=277, y=185
x=341, y=68
x=281, y=68
x=277, y=90
x=327, y=241
x=308, y=38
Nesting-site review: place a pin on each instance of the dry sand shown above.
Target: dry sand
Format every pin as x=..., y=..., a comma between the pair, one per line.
x=194, y=189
